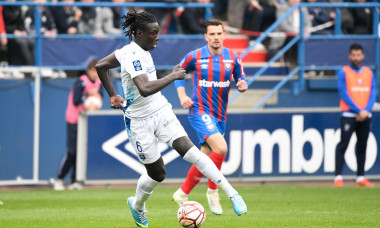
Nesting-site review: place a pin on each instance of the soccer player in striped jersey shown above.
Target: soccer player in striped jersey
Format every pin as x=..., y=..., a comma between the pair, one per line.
x=213, y=68
x=148, y=116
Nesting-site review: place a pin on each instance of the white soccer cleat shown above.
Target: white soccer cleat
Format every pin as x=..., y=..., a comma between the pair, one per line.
x=76, y=186
x=214, y=202
x=179, y=197
x=58, y=185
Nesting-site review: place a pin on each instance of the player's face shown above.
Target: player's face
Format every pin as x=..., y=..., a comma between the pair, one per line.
x=356, y=57
x=150, y=37
x=215, y=36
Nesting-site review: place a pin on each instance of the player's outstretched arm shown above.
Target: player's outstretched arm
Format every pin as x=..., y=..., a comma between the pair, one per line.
x=147, y=88
x=102, y=68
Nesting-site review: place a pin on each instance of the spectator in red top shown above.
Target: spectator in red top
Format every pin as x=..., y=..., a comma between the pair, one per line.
x=3, y=38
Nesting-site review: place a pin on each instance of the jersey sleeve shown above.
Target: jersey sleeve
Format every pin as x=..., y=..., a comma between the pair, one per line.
x=372, y=96
x=238, y=69
x=343, y=92
x=188, y=64
x=133, y=62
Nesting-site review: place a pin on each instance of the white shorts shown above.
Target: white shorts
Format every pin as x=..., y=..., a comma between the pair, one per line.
x=145, y=133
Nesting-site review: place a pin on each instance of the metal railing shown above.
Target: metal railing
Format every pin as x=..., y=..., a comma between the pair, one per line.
x=300, y=40
x=39, y=37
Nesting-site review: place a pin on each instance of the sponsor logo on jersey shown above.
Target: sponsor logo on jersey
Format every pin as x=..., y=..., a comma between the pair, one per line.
x=204, y=83
x=150, y=69
x=202, y=60
x=137, y=65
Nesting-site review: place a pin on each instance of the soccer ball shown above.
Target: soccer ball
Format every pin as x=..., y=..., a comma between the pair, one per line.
x=93, y=103
x=191, y=214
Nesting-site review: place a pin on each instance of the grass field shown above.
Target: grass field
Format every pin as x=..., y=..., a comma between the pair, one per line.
x=268, y=206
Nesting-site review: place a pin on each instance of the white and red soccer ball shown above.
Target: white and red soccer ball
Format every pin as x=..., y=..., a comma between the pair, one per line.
x=191, y=214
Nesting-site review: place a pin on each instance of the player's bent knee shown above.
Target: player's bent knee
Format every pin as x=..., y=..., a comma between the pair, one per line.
x=182, y=145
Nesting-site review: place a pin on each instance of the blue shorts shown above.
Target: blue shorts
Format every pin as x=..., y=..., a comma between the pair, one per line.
x=205, y=125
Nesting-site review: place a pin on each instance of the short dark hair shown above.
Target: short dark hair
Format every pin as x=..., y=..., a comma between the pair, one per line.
x=92, y=63
x=213, y=22
x=134, y=21
x=356, y=47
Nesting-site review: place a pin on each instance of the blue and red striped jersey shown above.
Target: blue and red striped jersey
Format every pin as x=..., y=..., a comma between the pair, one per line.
x=212, y=75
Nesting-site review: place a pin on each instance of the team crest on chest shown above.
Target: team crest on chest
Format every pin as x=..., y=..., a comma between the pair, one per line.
x=228, y=66
x=360, y=81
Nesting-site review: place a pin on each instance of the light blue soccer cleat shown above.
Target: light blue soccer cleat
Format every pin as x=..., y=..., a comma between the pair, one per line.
x=239, y=206
x=138, y=215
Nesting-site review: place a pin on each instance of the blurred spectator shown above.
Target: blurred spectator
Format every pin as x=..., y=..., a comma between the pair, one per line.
x=85, y=86
x=319, y=16
x=258, y=15
x=192, y=20
x=220, y=9
x=363, y=19
x=109, y=19
x=165, y=16
x=252, y=15
x=89, y=19
x=3, y=38
x=48, y=27
x=66, y=18
x=20, y=46
x=290, y=25
x=347, y=22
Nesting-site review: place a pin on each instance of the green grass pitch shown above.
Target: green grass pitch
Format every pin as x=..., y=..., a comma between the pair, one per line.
x=268, y=206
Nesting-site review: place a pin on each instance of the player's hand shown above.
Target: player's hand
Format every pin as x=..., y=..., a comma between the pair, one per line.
x=186, y=102
x=242, y=85
x=116, y=102
x=362, y=116
x=179, y=72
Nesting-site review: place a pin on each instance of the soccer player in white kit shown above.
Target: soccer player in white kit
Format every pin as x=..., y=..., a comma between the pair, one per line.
x=148, y=116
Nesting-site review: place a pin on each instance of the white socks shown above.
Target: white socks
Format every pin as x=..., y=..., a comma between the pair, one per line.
x=145, y=186
x=338, y=177
x=207, y=167
x=359, y=178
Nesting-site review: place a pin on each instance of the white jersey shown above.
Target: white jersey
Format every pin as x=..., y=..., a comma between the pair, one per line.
x=136, y=61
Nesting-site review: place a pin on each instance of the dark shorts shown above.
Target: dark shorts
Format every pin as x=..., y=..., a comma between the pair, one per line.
x=206, y=125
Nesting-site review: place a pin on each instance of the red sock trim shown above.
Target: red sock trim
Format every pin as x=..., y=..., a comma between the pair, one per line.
x=218, y=160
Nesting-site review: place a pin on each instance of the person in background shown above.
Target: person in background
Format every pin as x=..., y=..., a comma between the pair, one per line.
x=85, y=86
x=148, y=116
x=109, y=19
x=192, y=20
x=3, y=38
x=347, y=21
x=357, y=90
x=20, y=50
x=48, y=27
x=87, y=23
x=214, y=67
x=319, y=16
x=363, y=19
x=290, y=25
x=67, y=18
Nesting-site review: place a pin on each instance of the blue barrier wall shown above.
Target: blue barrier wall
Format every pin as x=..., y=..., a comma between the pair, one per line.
x=16, y=131
x=260, y=145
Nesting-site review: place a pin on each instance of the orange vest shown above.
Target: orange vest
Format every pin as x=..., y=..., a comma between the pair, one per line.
x=358, y=87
